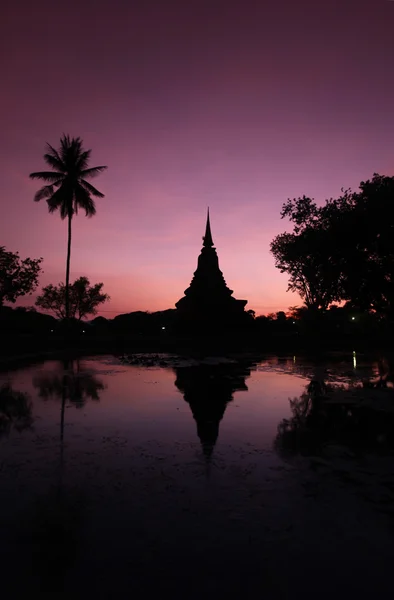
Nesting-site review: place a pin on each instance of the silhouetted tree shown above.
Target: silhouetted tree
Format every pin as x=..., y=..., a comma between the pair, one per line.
x=100, y=322
x=23, y=320
x=368, y=242
x=306, y=255
x=144, y=322
x=67, y=189
x=342, y=251
x=297, y=312
x=83, y=298
x=17, y=277
x=263, y=323
x=281, y=316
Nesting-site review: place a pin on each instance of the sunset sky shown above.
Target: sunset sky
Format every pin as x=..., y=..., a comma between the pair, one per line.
x=236, y=105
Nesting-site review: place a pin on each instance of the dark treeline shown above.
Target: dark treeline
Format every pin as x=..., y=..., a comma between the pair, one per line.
x=27, y=331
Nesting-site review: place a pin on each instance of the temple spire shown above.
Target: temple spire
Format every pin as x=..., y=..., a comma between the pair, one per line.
x=208, y=242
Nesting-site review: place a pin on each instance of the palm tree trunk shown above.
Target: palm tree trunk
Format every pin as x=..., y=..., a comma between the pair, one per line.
x=62, y=411
x=68, y=269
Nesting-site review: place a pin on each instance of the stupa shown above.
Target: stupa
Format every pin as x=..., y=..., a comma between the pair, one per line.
x=208, y=301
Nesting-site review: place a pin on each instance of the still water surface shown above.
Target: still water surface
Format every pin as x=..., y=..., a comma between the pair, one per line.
x=119, y=479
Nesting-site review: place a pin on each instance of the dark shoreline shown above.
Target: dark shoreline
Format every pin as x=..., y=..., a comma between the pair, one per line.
x=21, y=350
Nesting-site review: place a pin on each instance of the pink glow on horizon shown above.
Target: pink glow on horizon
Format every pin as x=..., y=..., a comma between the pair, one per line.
x=237, y=108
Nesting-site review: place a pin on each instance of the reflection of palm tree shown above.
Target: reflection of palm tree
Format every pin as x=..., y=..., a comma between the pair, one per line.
x=76, y=386
x=68, y=383
x=15, y=410
x=208, y=389
x=55, y=524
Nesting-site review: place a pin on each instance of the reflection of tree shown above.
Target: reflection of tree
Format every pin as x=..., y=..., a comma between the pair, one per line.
x=302, y=433
x=15, y=410
x=385, y=373
x=208, y=389
x=74, y=384
x=330, y=414
x=68, y=383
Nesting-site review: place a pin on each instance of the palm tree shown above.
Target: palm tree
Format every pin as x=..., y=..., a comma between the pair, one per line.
x=67, y=189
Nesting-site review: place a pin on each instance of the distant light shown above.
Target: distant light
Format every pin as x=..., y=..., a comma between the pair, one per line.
x=353, y=318
x=293, y=322
x=163, y=327
x=83, y=331
x=294, y=359
x=51, y=330
x=354, y=360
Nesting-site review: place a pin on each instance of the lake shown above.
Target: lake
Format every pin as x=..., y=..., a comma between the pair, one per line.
x=161, y=474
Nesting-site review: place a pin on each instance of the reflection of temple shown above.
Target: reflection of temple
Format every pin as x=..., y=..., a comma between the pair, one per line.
x=208, y=389
x=208, y=300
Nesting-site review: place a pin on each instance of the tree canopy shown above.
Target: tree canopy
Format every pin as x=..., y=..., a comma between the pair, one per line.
x=84, y=298
x=343, y=250
x=67, y=187
x=17, y=277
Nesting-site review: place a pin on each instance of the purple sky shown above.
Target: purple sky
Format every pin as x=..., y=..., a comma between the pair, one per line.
x=235, y=105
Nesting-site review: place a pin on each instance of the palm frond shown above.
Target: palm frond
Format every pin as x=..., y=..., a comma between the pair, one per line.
x=70, y=148
x=46, y=175
x=55, y=162
x=54, y=203
x=53, y=151
x=74, y=153
x=83, y=200
x=44, y=192
x=61, y=200
x=91, y=189
x=53, y=159
x=93, y=171
x=67, y=209
x=90, y=207
x=83, y=159
x=66, y=142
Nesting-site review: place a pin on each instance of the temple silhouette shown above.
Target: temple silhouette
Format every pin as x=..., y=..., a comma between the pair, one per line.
x=208, y=302
x=208, y=389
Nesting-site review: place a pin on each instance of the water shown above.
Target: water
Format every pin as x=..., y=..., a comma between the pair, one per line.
x=119, y=479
